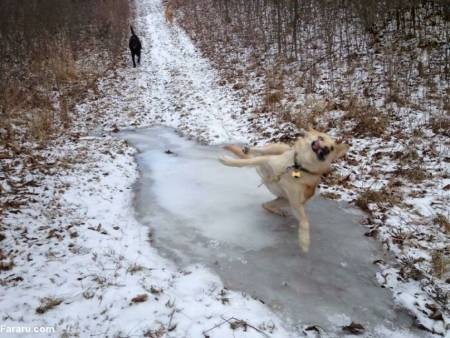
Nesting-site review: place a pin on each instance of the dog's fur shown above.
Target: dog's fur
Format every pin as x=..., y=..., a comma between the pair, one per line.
x=135, y=47
x=314, y=153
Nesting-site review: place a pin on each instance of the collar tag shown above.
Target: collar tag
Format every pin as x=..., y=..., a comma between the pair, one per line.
x=296, y=173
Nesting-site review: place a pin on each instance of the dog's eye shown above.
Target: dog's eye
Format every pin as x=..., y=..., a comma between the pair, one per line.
x=332, y=148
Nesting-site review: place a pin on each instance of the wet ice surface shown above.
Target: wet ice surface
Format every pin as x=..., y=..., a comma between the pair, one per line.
x=200, y=211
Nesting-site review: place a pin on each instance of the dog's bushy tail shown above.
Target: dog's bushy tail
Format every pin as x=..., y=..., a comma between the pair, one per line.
x=132, y=31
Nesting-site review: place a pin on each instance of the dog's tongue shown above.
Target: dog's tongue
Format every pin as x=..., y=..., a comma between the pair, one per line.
x=316, y=145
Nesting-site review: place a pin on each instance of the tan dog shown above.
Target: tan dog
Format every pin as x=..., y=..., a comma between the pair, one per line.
x=291, y=173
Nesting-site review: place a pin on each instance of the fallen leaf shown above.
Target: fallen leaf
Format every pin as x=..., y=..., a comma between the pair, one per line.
x=140, y=298
x=354, y=328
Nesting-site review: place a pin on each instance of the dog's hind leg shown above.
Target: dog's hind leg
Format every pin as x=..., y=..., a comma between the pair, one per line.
x=134, y=62
x=244, y=162
x=139, y=58
x=275, y=206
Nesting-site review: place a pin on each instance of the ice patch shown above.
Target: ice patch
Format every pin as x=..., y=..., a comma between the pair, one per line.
x=200, y=211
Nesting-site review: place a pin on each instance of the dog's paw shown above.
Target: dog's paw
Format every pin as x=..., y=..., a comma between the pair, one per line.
x=229, y=147
x=277, y=211
x=304, y=241
x=304, y=248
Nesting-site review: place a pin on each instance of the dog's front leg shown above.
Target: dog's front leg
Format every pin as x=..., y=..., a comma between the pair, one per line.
x=303, y=229
x=297, y=201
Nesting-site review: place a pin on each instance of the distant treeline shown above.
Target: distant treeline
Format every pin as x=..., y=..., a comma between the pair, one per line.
x=399, y=45
x=292, y=25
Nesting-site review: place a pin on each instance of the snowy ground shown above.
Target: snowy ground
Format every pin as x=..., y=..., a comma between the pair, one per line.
x=73, y=255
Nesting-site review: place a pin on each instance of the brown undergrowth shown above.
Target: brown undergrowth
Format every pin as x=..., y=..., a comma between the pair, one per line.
x=52, y=53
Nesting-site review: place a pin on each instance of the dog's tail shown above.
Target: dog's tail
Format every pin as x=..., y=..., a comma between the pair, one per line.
x=237, y=151
x=132, y=31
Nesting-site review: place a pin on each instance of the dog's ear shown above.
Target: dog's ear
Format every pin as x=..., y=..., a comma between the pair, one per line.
x=312, y=130
x=341, y=149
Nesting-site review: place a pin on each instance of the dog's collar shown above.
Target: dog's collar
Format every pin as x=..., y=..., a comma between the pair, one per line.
x=298, y=167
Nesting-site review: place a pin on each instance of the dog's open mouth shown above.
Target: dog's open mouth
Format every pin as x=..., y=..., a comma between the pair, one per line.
x=321, y=152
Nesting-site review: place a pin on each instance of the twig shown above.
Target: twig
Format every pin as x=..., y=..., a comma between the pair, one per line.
x=169, y=326
x=224, y=320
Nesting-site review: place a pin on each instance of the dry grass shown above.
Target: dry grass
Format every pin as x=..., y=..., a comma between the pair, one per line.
x=440, y=125
x=442, y=221
x=132, y=269
x=158, y=333
x=273, y=97
x=440, y=263
x=375, y=196
x=41, y=76
x=307, y=118
x=42, y=125
x=312, y=112
x=368, y=121
x=47, y=304
x=274, y=91
x=409, y=269
x=6, y=265
x=330, y=195
x=416, y=174
x=394, y=95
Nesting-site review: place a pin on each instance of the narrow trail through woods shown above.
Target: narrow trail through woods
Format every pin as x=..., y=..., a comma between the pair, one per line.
x=178, y=86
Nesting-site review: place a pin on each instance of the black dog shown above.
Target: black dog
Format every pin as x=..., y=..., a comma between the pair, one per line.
x=135, y=47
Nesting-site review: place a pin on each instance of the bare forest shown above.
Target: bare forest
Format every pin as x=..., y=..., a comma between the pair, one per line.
x=356, y=55
x=51, y=53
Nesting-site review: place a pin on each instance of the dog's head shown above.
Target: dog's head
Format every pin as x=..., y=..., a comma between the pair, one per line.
x=318, y=150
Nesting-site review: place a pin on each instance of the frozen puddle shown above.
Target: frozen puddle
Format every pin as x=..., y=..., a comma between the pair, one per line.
x=200, y=211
